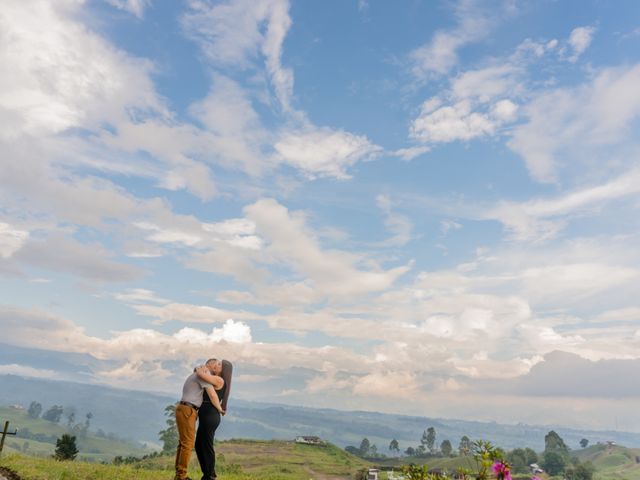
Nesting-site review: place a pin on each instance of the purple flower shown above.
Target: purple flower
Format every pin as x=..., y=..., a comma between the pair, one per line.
x=502, y=471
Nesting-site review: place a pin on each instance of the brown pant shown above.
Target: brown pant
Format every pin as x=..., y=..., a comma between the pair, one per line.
x=186, y=418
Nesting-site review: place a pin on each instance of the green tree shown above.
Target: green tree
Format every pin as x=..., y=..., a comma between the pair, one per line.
x=410, y=451
x=554, y=443
x=465, y=446
x=430, y=441
x=373, y=450
x=446, y=448
x=352, y=450
x=66, y=448
x=517, y=458
x=416, y=472
x=169, y=436
x=393, y=446
x=584, y=443
x=531, y=456
x=581, y=471
x=54, y=414
x=554, y=463
x=364, y=447
x=35, y=409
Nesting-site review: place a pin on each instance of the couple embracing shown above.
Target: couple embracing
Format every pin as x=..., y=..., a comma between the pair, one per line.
x=204, y=398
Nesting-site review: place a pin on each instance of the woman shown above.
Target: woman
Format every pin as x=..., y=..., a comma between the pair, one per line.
x=208, y=422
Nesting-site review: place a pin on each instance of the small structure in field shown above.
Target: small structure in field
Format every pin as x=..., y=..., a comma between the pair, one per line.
x=372, y=474
x=309, y=440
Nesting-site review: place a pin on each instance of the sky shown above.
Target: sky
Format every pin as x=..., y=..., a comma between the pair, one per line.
x=421, y=207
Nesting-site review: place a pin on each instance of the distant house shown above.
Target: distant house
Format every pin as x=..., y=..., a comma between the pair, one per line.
x=372, y=474
x=17, y=407
x=309, y=440
x=535, y=468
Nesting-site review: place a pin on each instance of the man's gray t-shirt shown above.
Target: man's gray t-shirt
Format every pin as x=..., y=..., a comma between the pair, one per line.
x=192, y=390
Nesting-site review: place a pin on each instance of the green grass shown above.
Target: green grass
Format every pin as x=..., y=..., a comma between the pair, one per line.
x=236, y=460
x=91, y=447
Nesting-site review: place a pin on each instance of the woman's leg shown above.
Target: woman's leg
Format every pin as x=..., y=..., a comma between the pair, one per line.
x=209, y=420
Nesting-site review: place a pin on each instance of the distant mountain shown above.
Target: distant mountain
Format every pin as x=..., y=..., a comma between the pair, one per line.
x=140, y=416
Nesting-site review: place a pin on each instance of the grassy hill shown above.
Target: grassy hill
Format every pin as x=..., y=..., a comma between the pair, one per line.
x=91, y=447
x=237, y=460
x=616, y=462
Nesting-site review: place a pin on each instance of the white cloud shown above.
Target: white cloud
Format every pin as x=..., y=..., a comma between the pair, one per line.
x=11, y=239
x=322, y=152
x=458, y=122
x=568, y=127
x=136, y=7
x=190, y=313
x=579, y=41
x=57, y=74
x=440, y=54
x=399, y=225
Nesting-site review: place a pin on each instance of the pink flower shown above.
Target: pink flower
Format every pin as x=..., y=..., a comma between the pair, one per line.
x=501, y=470
x=535, y=477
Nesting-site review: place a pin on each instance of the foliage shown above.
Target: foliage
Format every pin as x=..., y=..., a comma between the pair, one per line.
x=169, y=436
x=394, y=446
x=554, y=463
x=584, y=443
x=554, y=443
x=35, y=409
x=521, y=458
x=66, y=448
x=485, y=455
x=582, y=471
x=464, y=448
x=429, y=440
x=416, y=472
x=54, y=414
x=446, y=448
x=365, y=446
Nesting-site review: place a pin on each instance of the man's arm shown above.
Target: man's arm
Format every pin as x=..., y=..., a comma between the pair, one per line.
x=203, y=374
x=215, y=401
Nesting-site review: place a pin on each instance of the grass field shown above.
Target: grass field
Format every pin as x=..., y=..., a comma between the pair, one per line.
x=237, y=460
x=91, y=447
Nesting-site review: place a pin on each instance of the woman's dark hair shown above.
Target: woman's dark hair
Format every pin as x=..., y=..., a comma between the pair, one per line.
x=226, y=374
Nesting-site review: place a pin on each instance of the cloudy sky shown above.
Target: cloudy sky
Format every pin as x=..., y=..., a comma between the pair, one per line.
x=426, y=207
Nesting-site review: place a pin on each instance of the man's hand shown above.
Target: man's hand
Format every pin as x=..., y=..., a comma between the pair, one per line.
x=202, y=369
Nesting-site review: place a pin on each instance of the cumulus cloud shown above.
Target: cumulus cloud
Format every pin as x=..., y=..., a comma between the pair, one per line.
x=136, y=7
x=324, y=151
x=11, y=239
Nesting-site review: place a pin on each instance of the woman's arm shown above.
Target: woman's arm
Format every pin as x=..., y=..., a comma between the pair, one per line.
x=203, y=374
x=215, y=401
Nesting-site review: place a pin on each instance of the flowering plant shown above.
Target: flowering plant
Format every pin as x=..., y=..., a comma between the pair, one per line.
x=502, y=470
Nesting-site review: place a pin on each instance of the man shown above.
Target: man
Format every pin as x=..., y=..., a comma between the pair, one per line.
x=187, y=410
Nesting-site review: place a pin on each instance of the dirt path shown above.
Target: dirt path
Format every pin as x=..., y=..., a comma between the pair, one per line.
x=323, y=476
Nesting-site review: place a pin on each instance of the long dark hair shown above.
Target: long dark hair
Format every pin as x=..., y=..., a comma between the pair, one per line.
x=226, y=374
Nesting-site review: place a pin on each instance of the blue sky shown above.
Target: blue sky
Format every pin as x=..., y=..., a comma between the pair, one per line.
x=420, y=206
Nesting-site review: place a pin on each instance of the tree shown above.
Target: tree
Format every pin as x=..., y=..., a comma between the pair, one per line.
x=66, y=448
x=70, y=413
x=169, y=436
x=465, y=446
x=446, y=448
x=582, y=471
x=54, y=414
x=373, y=450
x=553, y=463
x=584, y=442
x=430, y=441
x=410, y=451
x=87, y=421
x=531, y=456
x=364, y=447
x=352, y=450
x=35, y=409
x=554, y=443
x=517, y=458
x=393, y=446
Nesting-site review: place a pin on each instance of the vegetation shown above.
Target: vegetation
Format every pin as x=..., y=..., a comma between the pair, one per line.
x=66, y=448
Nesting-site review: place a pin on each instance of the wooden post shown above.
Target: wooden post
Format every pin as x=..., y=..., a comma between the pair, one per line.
x=5, y=432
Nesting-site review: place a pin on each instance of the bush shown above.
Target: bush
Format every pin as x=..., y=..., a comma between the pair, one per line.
x=66, y=448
